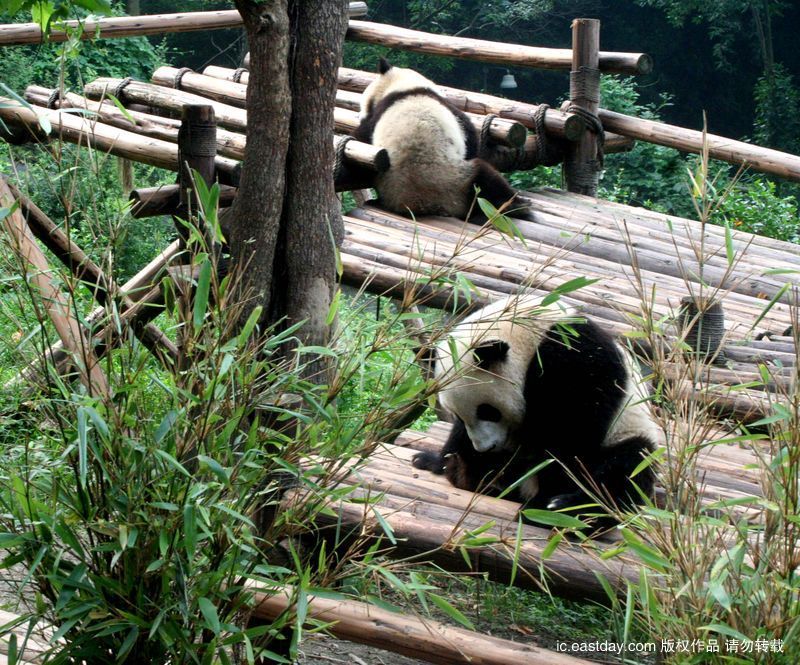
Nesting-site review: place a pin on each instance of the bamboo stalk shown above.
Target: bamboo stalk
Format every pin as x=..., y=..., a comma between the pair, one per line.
x=506, y=132
x=55, y=303
x=493, y=52
x=761, y=159
x=133, y=26
x=424, y=639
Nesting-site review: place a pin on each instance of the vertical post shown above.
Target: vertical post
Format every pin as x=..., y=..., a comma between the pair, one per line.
x=582, y=167
x=197, y=149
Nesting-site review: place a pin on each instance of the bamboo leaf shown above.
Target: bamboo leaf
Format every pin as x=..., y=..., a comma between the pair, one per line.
x=451, y=611
x=209, y=612
x=551, y=518
x=201, y=293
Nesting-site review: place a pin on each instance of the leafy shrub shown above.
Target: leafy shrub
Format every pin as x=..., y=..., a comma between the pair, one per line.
x=756, y=207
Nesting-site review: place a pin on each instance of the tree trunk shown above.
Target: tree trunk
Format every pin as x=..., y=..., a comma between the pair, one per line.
x=305, y=275
x=286, y=217
x=255, y=218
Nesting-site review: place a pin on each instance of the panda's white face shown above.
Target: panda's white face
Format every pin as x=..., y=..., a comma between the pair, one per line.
x=488, y=396
x=484, y=385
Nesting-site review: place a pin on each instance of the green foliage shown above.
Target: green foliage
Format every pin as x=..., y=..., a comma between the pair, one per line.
x=777, y=119
x=756, y=207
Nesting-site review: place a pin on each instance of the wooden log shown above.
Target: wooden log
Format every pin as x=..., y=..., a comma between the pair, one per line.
x=84, y=269
x=423, y=639
x=163, y=98
x=556, y=122
x=506, y=132
x=493, y=52
x=728, y=150
x=229, y=144
x=34, y=264
x=164, y=200
x=133, y=26
x=121, y=143
x=582, y=166
x=139, y=289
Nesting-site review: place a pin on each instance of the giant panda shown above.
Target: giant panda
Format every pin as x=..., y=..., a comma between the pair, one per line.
x=433, y=149
x=526, y=382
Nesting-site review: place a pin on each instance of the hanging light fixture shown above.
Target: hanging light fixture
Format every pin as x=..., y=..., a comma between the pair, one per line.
x=508, y=82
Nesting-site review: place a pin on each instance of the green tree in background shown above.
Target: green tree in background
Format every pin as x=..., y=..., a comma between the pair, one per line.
x=777, y=119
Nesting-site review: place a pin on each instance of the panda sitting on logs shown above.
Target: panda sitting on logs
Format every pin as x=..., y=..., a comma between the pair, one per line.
x=432, y=146
x=527, y=383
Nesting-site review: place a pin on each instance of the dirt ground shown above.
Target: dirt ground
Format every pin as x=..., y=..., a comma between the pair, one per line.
x=324, y=650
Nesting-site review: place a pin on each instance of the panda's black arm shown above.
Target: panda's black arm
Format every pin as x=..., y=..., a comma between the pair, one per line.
x=457, y=444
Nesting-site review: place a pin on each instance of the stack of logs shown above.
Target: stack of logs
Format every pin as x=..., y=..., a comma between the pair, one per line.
x=147, y=129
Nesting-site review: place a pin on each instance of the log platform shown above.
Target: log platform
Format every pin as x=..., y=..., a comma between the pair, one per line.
x=432, y=521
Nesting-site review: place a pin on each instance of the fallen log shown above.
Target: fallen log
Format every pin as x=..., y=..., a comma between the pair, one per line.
x=412, y=636
x=506, y=132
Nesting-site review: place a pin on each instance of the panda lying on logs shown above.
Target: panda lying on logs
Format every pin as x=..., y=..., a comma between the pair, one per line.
x=432, y=146
x=531, y=383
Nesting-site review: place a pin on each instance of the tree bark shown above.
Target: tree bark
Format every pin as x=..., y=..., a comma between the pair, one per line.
x=255, y=218
x=304, y=280
x=286, y=218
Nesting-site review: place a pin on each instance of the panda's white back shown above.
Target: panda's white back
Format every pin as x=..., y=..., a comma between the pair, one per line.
x=429, y=173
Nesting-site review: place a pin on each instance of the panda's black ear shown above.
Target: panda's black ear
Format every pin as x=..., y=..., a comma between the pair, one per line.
x=384, y=65
x=490, y=352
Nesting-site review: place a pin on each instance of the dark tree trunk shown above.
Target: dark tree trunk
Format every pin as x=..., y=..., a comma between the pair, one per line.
x=286, y=214
x=312, y=219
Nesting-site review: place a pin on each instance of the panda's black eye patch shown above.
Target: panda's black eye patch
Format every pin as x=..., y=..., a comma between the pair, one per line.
x=488, y=412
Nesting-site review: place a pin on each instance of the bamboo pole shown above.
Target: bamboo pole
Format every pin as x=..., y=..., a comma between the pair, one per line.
x=582, y=166
x=728, y=150
x=412, y=636
x=492, y=52
x=506, y=132
x=55, y=303
x=133, y=26
x=103, y=289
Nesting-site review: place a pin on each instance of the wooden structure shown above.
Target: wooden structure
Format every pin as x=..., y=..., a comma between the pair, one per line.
x=572, y=235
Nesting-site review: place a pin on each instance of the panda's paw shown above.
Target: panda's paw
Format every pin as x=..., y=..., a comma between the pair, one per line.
x=562, y=501
x=428, y=461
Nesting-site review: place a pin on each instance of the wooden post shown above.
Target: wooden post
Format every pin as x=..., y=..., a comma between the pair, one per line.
x=197, y=150
x=583, y=165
